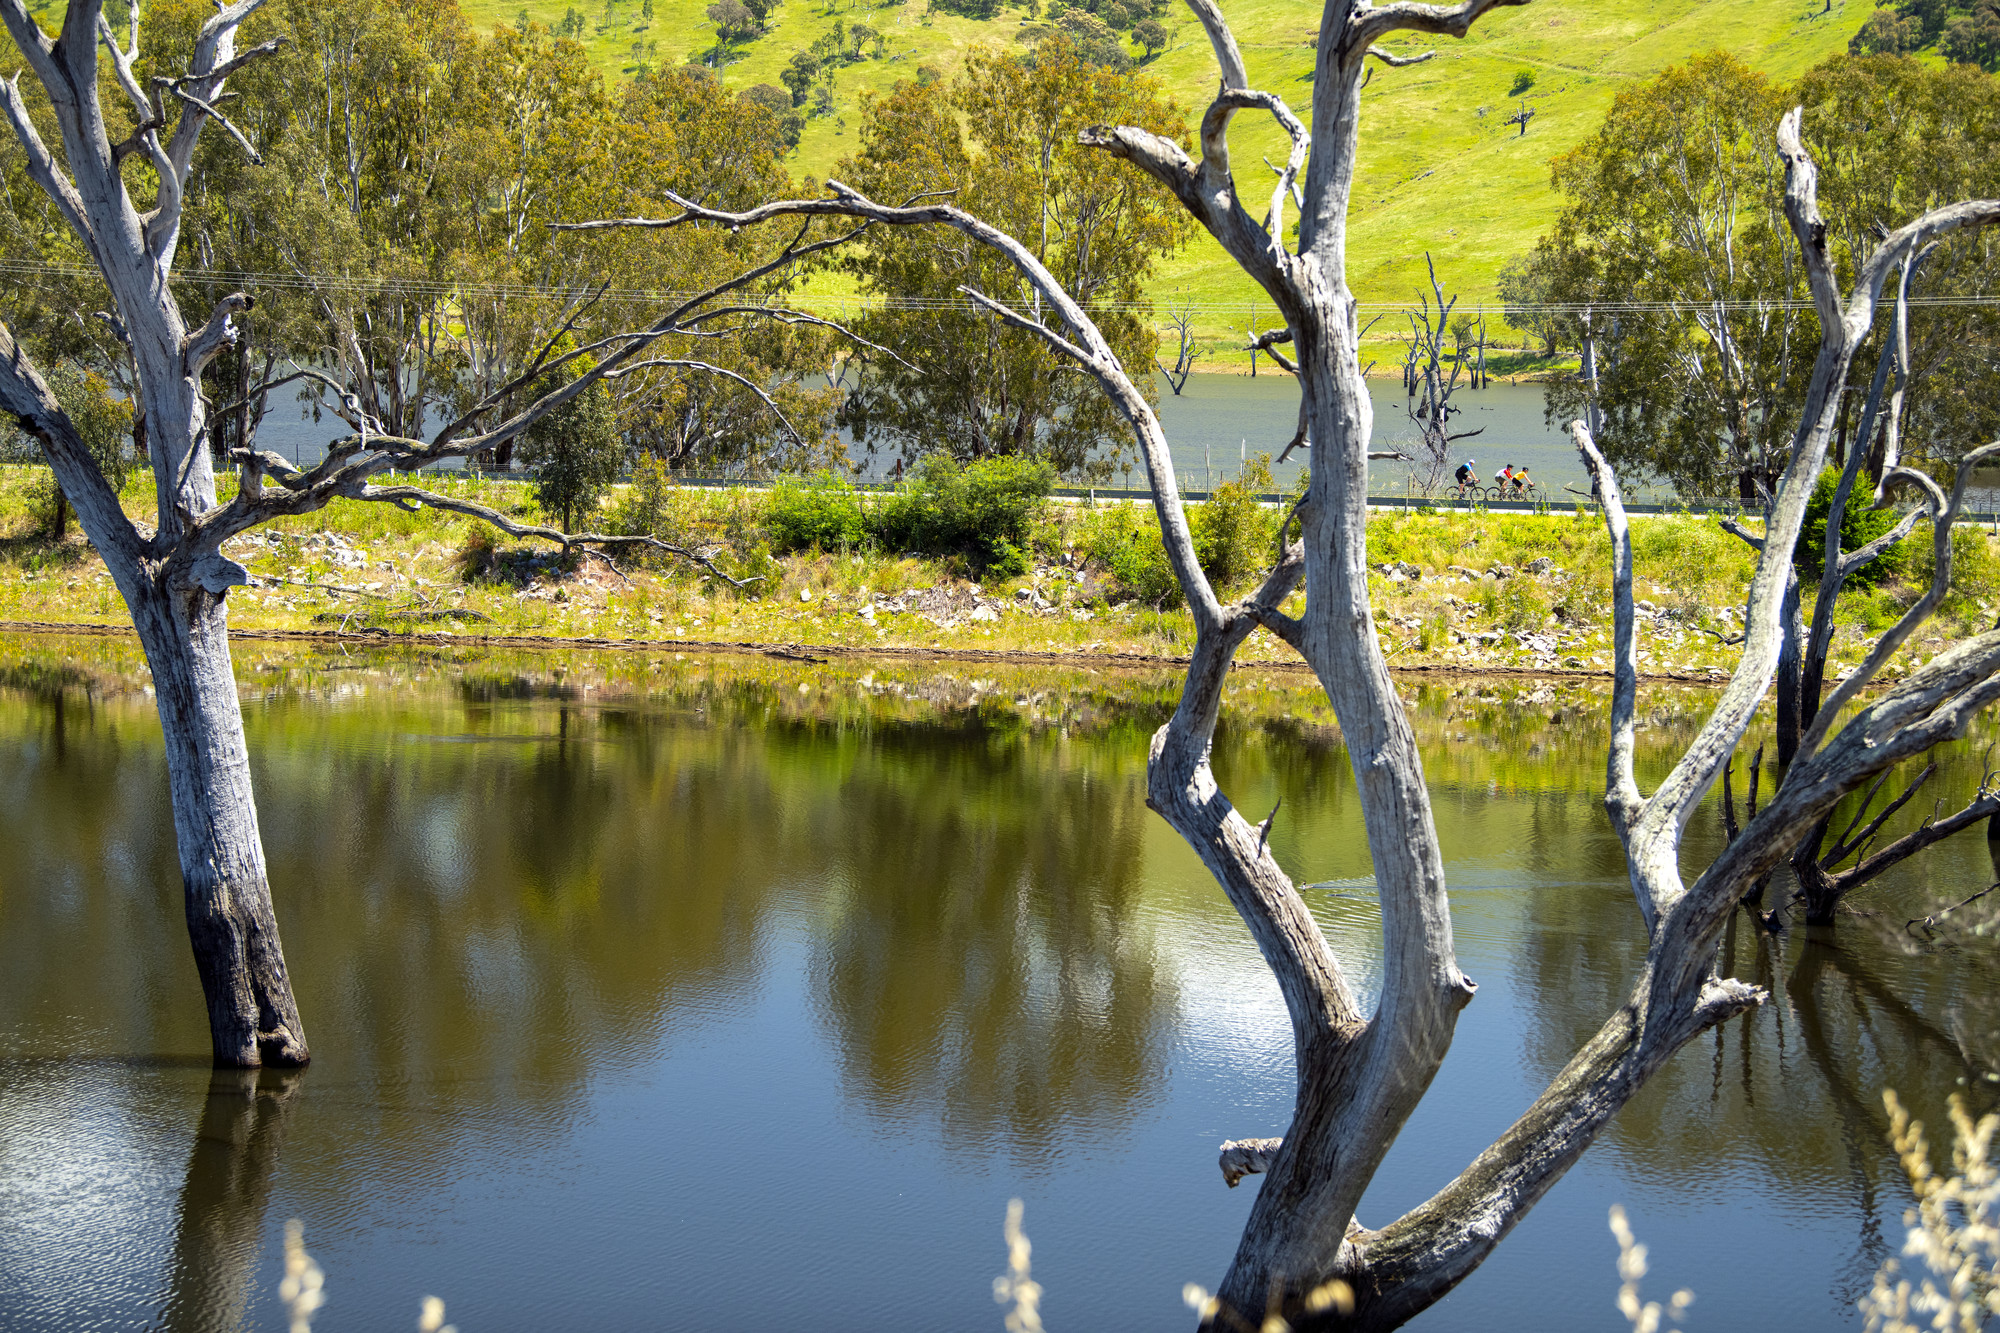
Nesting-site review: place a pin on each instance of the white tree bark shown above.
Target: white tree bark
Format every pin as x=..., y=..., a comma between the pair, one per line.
x=175, y=579
x=1361, y=1074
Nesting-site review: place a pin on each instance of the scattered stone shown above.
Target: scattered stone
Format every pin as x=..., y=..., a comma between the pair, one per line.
x=1541, y=564
x=805, y=594
x=1500, y=571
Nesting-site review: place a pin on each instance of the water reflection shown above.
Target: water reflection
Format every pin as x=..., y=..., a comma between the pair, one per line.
x=223, y=1199
x=982, y=961
x=579, y=930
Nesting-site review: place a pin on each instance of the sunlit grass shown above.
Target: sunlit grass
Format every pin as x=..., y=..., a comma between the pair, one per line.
x=1480, y=599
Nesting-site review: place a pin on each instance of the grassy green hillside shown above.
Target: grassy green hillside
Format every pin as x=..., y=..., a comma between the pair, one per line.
x=1441, y=170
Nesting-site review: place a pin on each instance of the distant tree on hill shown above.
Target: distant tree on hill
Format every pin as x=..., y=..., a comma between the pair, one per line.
x=791, y=125
x=733, y=20
x=1090, y=39
x=798, y=76
x=1003, y=135
x=1150, y=34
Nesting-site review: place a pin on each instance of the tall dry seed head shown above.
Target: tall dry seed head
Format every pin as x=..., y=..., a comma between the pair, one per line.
x=1016, y=1287
x=1954, y=1231
x=1644, y=1317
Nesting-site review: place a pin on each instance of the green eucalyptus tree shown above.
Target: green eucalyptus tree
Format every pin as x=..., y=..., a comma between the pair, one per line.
x=1001, y=139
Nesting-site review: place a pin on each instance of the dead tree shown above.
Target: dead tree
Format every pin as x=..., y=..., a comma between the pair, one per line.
x=1804, y=710
x=1430, y=378
x=1181, y=321
x=1304, y=1257
x=176, y=578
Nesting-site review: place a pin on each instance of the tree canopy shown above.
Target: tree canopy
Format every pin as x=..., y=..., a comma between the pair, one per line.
x=1001, y=139
x=1671, y=254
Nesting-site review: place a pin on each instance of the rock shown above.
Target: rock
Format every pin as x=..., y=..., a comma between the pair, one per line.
x=1573, y=662
x=805, y=594
x=983, y=613
x=1541, y=564
x=1024, y=594
x=1500, y=571
x=1470, y=576
x=867, y=612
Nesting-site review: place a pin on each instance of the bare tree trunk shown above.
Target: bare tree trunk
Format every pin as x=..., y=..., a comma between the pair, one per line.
x=252, y=1016
x=1303, y=1257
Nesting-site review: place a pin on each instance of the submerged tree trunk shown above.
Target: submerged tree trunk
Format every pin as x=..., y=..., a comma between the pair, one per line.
x=252, y=1016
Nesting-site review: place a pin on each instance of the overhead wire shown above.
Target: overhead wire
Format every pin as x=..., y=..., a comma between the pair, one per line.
x=822, y=303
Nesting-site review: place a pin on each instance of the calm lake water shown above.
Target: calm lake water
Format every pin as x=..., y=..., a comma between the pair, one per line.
x=733, y=994
x=1218, y=421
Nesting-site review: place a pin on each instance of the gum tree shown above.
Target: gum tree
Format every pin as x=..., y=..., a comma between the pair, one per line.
x=1362, y=1070
x=121, y=192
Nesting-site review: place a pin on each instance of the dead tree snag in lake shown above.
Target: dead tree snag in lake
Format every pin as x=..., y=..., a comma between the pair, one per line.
x=1430, y=378
x=1361, y=1071
x=1181, y=321
x=1805, y=711
x=176, y=578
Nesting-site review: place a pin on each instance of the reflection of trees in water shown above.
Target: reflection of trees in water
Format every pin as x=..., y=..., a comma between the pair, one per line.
x=86, y=853
x=223, y=1196
x=1790, y=1092
x=505, y=893
x=982, y=966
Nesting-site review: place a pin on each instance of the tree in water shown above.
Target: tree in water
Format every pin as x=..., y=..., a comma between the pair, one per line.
x=1305, y=1258
x=175, y=577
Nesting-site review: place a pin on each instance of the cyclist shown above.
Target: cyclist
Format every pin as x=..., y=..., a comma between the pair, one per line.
x=1465, y=476
x=1521, y=482
x=1503, y=476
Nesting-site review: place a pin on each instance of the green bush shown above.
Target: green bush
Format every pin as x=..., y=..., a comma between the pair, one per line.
x=820, y=512
x=1858, y=526
x=575, y=449
x=1235, y=536
x=1975, y=567
x=1125, y=539
x=983, y=511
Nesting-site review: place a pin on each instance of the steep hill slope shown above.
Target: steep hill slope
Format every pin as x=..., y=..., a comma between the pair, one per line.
x=1443, y=170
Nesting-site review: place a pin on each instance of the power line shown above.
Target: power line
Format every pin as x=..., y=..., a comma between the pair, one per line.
x=816, y=303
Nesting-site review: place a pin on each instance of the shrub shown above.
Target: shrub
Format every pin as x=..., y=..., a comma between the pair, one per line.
x=819, y=512
x=1858, y=526
x=1125, y=540
x=984, y=511
x=1234, y=535
x=101, y=418
x=575, y=449
x=1524, y=79
x=1975, y=569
